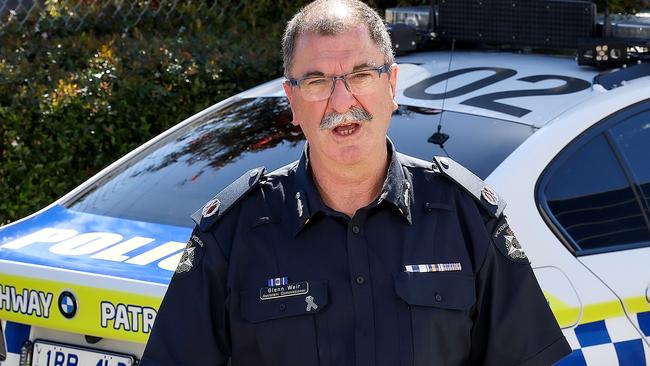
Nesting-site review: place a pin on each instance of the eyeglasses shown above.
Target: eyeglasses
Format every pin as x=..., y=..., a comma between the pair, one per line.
x=317, y=88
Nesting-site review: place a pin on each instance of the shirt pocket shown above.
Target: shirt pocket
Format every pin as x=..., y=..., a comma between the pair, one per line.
x=440, y=306
x=287, y=330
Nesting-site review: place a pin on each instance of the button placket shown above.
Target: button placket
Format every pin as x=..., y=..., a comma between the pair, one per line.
x=361, y=291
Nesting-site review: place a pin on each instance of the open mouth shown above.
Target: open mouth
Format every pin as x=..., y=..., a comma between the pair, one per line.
x=346, y=129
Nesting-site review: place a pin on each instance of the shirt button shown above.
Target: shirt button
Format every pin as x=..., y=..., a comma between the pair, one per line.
x=355, y=229
x=438, y=297
x=360, y=280
x=283, y=307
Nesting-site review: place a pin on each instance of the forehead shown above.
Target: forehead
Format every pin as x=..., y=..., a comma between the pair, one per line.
x=335, y=54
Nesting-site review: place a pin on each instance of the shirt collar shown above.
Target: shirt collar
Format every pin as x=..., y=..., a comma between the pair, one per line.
x=397, y=187
x=396, y=190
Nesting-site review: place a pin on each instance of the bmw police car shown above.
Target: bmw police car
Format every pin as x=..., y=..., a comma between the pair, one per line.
x=566, y=146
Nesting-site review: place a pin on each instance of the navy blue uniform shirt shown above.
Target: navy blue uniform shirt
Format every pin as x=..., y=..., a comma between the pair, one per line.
x=421, y=276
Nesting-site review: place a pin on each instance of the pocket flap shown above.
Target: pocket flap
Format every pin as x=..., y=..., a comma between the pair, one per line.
x=442, y=290
x=257, y=307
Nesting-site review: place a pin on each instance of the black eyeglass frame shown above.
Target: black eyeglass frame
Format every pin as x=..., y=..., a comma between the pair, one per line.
x=385, y=68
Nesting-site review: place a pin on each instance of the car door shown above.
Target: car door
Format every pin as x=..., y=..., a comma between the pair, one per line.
x=596, y=197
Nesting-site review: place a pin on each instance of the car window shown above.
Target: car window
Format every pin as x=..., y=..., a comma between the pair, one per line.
x=589, y=196
x=174, y=177
x=177, y=175
x=633, y=139
x=479, y=143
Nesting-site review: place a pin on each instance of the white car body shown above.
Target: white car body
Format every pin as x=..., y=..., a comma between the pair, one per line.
x=609, y=286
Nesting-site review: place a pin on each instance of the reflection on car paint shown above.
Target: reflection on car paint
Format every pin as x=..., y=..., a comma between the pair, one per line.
x=176, y=176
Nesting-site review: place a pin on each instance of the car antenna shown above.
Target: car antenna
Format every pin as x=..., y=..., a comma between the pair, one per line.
x=439, y=138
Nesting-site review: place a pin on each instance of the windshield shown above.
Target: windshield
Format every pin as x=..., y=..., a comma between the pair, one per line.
x=174, y=177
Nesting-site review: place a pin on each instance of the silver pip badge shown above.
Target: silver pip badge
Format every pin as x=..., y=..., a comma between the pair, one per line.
x=489, y=195
x=211, y=208
x=298, y=204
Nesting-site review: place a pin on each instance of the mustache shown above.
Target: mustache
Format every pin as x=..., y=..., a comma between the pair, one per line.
x=335, y=119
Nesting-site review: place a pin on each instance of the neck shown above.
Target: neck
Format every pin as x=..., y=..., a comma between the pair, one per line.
x=347, y=188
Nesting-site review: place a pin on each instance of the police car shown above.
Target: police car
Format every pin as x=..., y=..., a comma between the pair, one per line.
x=566, y=146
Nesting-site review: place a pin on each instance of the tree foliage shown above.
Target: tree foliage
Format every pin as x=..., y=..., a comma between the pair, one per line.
x=73, y=102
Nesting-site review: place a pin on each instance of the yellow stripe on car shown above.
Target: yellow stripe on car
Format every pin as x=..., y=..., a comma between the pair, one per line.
x=93, y=311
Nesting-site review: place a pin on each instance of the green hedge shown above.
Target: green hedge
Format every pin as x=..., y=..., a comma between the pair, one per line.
x=71, y=103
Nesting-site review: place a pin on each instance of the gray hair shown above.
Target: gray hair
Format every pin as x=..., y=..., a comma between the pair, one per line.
x=319, y=18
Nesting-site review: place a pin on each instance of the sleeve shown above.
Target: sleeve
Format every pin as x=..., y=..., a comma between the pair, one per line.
x=191, y=324
x=513, y=322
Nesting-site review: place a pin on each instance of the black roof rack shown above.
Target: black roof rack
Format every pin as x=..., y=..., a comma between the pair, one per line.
x=613, y=79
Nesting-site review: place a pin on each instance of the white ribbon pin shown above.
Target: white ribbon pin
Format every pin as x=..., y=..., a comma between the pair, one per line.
x=311, y=305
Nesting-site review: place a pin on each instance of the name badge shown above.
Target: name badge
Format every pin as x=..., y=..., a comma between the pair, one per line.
x=290, y=289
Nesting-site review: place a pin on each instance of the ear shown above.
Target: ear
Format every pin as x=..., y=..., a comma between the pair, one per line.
x=289, y=93
x=393, y=84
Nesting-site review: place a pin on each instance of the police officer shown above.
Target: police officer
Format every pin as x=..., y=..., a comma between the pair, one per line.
x=355, y=254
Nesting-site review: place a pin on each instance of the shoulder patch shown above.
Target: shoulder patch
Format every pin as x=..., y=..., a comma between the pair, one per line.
x=191, y=256
x=227, y=198
x=470, y=183
x=506, y=242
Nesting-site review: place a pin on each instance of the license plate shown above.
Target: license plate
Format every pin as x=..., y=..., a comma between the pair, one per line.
x=54, y=354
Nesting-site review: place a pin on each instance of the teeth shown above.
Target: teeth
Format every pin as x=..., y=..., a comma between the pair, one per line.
x=346, y=130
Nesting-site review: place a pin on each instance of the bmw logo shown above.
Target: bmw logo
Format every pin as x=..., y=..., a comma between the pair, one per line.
x=67, y=304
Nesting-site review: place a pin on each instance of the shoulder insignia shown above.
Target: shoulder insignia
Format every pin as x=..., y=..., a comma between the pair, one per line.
x=507, y=243
x=191, y=256
x=227, y=198
x=284, y=171
x=472, y=184
x=410, y=161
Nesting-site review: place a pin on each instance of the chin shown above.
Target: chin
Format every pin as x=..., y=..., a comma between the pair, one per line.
x=349, y=155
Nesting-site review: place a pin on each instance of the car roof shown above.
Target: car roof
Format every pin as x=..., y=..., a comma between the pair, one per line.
x=543, y=105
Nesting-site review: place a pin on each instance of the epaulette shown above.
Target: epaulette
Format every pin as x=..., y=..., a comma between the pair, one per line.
x=471, y=184
x=227, y=198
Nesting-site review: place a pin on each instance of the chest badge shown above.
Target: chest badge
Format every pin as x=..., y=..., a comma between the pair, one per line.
x=280, y=287
x=279, y=281
x=436, y=267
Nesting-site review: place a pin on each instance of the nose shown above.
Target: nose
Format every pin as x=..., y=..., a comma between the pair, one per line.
x=341, y=99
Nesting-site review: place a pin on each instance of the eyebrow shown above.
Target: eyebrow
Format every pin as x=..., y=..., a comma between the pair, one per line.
x=362, y=66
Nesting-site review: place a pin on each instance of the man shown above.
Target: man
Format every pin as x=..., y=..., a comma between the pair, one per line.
x=355, y=254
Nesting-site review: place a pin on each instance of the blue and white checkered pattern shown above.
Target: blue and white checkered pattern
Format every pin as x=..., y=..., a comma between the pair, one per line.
x=608, y=342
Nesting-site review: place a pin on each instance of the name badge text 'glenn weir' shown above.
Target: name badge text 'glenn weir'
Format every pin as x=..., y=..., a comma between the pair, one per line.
x=291, y=289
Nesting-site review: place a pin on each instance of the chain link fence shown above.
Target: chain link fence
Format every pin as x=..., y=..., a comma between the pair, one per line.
x=75, y=15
